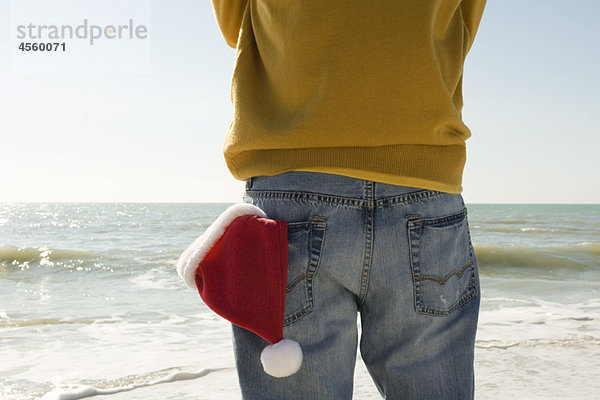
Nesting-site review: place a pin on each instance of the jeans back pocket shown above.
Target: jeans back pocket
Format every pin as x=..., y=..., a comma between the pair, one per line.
x=443, y=265
x=305, y=243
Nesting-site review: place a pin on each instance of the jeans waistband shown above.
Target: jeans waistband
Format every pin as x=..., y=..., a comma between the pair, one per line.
x=329, y=184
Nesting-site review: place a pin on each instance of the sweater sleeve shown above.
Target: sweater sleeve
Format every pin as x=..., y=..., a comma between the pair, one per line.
x=229, y=15
x=472, y=11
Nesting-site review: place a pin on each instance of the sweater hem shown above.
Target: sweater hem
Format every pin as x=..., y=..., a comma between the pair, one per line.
x=424, y=166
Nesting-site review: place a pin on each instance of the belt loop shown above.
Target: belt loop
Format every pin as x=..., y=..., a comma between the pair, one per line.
x=249, y=183
x=369, y=191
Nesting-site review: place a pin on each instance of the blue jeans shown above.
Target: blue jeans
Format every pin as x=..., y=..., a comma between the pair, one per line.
x=402, y=257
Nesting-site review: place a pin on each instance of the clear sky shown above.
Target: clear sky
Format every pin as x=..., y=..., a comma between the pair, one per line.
x=531, y=91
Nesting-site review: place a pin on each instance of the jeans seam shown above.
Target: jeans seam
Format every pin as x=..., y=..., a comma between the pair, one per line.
x=344, y=201
x=368, y=248
x=408, y=198
x=308, y=197
x=318, y=226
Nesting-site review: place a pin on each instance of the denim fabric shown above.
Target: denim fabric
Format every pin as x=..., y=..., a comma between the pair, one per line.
x=402, y=257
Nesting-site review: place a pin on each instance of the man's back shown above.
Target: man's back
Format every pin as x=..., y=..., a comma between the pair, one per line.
x=370, y=90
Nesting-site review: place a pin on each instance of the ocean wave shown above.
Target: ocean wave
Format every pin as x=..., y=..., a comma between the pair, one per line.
x=583, y=256
x=570, y=341
x=11, y=254
x=83, y=391
x=157, y=278
x=523, y=229
x=507, y=221
x=49, y=321
x=586, y=247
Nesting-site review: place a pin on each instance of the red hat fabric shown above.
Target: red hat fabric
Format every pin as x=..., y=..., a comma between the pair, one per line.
x=239, y=267
x=243, y=276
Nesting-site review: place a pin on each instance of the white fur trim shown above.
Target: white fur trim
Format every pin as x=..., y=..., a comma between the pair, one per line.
x=190, y=259
x=282, y=359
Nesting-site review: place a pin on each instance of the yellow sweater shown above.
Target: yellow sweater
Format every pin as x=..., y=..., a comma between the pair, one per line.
x=370, y=89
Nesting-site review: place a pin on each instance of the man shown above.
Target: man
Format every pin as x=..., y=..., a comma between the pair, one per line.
x=347, y=125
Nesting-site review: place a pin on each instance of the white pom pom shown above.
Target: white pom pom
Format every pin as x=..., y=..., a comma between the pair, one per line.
x=282, y=359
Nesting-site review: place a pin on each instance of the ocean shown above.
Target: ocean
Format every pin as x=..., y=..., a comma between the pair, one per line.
x=91, y=304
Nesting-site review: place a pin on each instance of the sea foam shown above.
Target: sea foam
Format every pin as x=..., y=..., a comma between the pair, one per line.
x=83, y=391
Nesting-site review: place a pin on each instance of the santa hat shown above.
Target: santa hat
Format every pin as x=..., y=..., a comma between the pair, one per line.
x=239, y=267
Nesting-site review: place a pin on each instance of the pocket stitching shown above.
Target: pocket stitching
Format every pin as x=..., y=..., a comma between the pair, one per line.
x=442, y=280
x=415, y=228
